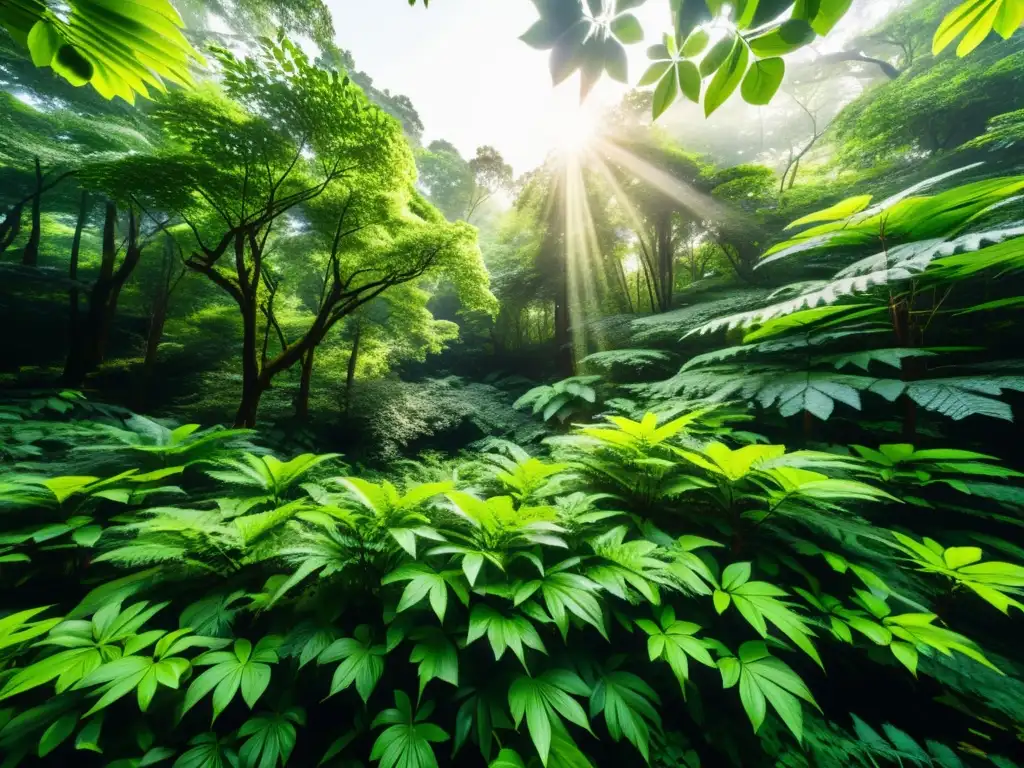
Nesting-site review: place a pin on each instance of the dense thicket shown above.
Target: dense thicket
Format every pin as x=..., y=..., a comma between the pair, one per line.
x=691, y=447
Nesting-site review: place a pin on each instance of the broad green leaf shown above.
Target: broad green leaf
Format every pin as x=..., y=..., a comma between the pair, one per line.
x=727, y=77
x=762, y=81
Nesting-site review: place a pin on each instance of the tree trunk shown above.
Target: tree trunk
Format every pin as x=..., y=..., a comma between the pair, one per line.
x=302, y=401
x=153, y=338
x=11, y=227
x=792, y=175
x=565, y=362
x=88, y=348
x=30, y=256
x=133, y=253
x=350, y=375
x=158, y=319
x=76, y=249
x=665, y=256
x=252, y=384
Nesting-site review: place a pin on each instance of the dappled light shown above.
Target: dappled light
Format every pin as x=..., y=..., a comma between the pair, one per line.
x=507, y=384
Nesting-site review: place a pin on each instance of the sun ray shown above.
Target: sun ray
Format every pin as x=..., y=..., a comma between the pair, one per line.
x=695, y=201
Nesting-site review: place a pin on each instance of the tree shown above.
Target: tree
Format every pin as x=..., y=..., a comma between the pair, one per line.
x=658, y=214
x=300, y=141
x=311, y=18
x=40, y=149
x=89, y=339
x=490, y=175
x=942, y=103
x=446, y=178
x=398, y=106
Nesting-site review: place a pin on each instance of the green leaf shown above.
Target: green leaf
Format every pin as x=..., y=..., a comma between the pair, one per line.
x=543, y=701
x=566, y=56
x=406, y=743
x=229, y=669
x=841, y=210
x=43, y=41
x=627, y=29
x=362, y=663
x=628, y=704
x=654, y=73
x=665, y=94
x=717, y=56
x=790, y=36
x=762, y=81
x=57, y=733
x=695, y=43
x=975, y=19
x=766, y=680
x=271, y=738
x=508, y=758
x=689, y=80
x=436, y=656
x=727, y=77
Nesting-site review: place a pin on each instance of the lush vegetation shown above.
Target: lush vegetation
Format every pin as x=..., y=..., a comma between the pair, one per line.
x=690, y=447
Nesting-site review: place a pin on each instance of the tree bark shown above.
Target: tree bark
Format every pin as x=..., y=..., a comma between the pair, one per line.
x=133, y=254
x=77, y=365
x=665, y=258
x=11, y=227
x=88, y=348
x=302, y=401
x=350, y=374
x=158, y=318
x=76, y=249
x=30, y=256
x=252, y=385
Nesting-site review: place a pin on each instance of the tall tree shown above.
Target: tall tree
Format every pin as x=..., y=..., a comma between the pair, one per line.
x=446, y=178
x=490, y=175
x=301, y=143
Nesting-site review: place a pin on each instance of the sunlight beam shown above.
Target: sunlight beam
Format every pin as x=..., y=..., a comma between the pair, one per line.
x=698, y=203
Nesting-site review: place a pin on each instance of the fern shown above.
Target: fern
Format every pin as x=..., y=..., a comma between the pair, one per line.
x=632, y=358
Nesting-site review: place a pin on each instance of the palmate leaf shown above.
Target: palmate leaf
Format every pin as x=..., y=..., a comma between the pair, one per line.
x=436, y=656
x=362, y=662
x=242, y=668
x=629, y=564
x=208, y=751
x=503, y=632
x=544, y=700
x=758, y=602
x=764, y=680
x=406, y=742
x=974, y=20
x=88, y=644
x=565, y=594
x=992, y=581
x=919, y=629
x=674, y=641
x=271, y=738
x=425, y=582
x=142, y=674
x=628, y=704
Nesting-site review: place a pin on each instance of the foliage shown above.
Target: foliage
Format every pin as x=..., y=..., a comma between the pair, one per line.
x=640, y=531
x=801, y=549
x=561, y=399
x=120, y=52
x=590, y=36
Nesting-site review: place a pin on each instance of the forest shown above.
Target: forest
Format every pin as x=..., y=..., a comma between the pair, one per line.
x=326, y=440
